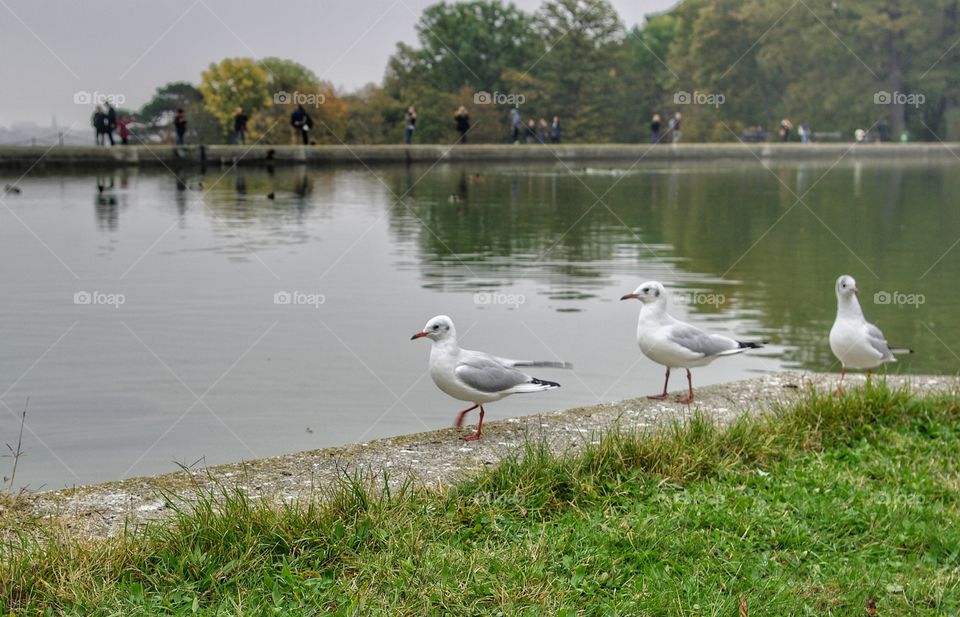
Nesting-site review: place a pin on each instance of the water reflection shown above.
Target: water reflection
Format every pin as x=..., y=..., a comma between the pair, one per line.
x=737, y=230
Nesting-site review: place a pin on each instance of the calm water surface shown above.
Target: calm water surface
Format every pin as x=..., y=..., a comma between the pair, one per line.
x=204, y=362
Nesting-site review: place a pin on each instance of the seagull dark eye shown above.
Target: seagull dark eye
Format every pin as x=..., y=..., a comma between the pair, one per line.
x=645, y=289
x=436, y=326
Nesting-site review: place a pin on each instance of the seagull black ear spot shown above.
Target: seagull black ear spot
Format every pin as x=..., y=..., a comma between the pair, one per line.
x=657, y=293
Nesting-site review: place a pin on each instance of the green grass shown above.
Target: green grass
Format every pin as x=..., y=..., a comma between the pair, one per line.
x=809, y=510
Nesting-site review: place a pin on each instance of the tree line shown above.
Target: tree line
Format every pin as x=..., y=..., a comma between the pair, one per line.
x=885, y=66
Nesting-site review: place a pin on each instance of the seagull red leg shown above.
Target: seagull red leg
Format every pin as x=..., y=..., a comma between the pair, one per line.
x=839, y=390
x=463, y=413
x=476, y=435
x=689, y=399
x=660, y=397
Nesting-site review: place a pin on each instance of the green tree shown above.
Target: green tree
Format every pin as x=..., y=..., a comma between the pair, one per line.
x=582, y=70
x=473, y=43
x=158, y=112
x=234, y=83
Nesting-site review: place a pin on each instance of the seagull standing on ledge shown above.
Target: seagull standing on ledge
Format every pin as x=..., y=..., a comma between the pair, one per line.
x=856, y=342
x=474, y=376
x=673, y=343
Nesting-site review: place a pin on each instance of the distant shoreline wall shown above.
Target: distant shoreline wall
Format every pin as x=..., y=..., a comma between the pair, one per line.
x=22, y=158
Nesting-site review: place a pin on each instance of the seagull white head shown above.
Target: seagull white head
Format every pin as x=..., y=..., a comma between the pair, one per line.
x=649, y=293
x=846, y=287
x=437, y=329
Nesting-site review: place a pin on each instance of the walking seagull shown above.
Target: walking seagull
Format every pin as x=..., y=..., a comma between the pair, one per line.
x=474, y=376
x=676, y=344
x=856, y=342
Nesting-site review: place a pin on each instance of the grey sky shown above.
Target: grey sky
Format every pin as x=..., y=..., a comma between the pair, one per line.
x=52, y=49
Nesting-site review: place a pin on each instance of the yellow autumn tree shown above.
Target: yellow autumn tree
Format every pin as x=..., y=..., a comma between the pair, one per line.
x=234, y=83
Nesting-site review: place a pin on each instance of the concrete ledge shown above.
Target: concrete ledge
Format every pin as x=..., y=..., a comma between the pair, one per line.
x=222, y=155
x=432, y=459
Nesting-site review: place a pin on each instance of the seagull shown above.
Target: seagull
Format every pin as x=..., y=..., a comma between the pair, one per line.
x=856, y=342
x=474, y=376
x=674, y=343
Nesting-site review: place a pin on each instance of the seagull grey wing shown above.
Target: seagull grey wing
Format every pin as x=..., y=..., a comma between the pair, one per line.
x=878, y=341
x=536, y=363
x=485, y=374
x=698, y=341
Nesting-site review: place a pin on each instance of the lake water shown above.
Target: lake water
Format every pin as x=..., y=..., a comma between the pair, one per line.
x=140, y=311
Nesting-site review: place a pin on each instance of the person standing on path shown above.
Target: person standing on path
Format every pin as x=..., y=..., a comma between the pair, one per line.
x=180, y=126
x=516, y=125
x=240, y=127
x=655, y=124
x=122, y=126
x=675, y=127
x=301, y=122
x=98, y=121
x=531, y=131
x=111, y=125
x=411, y=125
x=462, y=119
x=785, y=127
x=544, y=134
x=555, y=130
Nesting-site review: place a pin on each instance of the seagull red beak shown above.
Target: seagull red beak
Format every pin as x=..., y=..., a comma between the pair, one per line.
x=418, y=335
x=630, y=297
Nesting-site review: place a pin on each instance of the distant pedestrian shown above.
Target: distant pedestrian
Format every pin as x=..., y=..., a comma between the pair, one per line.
x=883, y=131
x=516, y=125
x=123, y=125
x=675, y=127
x=240, y=127
x=411, y=125
x=555, y=130
x=301, y=122
x=462, y=119
x=531, y=131
x=544, y=134
x=655, y=124
x=180, y=126
x=785, y=127
x=111, y=122
x=98, y=121
x=804, y=132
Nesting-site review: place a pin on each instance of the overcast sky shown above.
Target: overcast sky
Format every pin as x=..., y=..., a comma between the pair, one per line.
x=52, y=49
